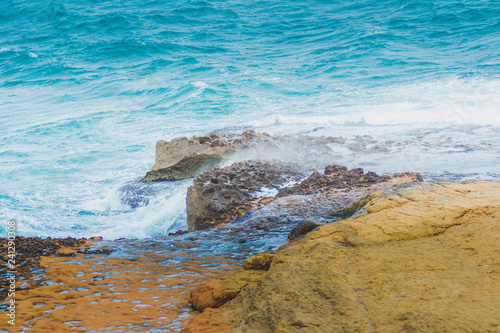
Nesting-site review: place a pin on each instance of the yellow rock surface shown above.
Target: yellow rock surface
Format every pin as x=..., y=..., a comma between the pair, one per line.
x=423, y=259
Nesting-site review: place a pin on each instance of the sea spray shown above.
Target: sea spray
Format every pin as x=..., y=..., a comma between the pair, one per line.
x=87, y=91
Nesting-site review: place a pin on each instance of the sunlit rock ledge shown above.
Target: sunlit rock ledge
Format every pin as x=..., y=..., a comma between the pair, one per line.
x=418, y=259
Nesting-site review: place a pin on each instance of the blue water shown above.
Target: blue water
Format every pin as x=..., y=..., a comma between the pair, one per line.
x=88, y=87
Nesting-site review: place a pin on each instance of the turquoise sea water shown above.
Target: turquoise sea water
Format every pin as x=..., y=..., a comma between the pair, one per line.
x=88, y=87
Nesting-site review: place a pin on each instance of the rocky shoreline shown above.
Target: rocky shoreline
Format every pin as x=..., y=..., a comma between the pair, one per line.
x=422, y=259
x=30, y=250
x=358, y=251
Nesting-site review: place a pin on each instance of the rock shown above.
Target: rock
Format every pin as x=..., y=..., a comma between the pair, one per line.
x=210, y=295
x=213, y=294
x=184, y=158
x=29, y=250
x=337, y=176
x=283, y=213
x=178, y=233
x=354, y=207
x=389, y=269
x=261, y=261
x=223, y=194
x=303, y=228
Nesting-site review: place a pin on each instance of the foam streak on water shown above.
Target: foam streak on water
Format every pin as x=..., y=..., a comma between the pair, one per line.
x=87, y=88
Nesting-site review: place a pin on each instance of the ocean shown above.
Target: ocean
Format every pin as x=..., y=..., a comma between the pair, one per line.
x=87, y=88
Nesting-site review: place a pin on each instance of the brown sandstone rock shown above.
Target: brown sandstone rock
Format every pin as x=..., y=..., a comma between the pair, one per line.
x=261, y=261
x=214, y=294
x=210, y=295
x=182, y=158
x=417, y=260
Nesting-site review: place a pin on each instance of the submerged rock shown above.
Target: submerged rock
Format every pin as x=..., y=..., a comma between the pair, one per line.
x=303, y=228
x=184, y=158
x=29, y=250
x=389, y=269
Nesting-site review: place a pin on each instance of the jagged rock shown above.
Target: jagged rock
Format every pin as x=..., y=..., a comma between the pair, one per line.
x=184, y=158
x=303, y=228
x=389, y=269
x=222, y=194
x=339, y=177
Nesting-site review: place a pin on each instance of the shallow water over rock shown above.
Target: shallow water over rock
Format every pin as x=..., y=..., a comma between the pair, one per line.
x=143, y=285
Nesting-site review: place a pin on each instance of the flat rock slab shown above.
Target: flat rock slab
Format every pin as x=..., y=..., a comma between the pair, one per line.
x=29, y=250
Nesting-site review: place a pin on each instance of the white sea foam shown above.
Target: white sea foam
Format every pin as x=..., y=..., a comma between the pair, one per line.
x=200, y=84
x=155, y=219
x=265, y=192
x=161, y=207
x=73, y=131
x=452, y=100
x=444, y=129
x=111, y=202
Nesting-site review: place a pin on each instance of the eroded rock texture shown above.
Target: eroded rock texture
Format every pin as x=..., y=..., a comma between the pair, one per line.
x=339, y=177
x=183, y=158
x=29, y=250
x=222, y=194
x=420, y=259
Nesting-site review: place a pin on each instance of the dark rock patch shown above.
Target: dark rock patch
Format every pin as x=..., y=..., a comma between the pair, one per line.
x=339, y=177
x=223, y=194
x=303, y=228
